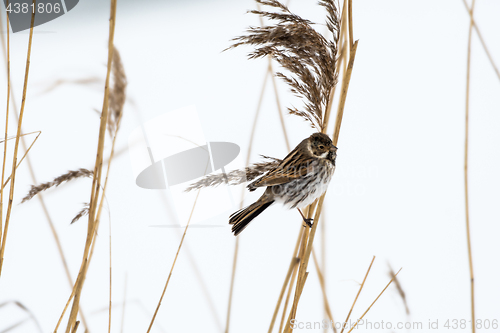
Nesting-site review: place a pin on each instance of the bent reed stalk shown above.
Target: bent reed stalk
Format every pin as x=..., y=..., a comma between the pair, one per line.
x=93, y=218
x=16, y=146
x=466, y=170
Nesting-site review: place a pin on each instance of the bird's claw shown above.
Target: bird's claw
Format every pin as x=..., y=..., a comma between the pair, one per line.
x=309, y=222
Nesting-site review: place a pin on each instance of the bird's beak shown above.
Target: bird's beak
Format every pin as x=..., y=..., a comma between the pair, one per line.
x=333, y=149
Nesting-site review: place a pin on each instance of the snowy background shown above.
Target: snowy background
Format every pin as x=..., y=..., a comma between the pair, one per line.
x=397, y=193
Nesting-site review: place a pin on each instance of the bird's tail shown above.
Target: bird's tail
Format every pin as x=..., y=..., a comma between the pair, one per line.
x=241, y=218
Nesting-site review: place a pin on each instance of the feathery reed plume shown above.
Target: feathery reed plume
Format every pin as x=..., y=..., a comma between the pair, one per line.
x=399, y=288
x=82, y=213
x=306, y=54
x=70, y=175
x=236, y=177
x=117, y=94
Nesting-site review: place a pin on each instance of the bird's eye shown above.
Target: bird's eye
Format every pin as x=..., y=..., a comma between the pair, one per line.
x=321, y=147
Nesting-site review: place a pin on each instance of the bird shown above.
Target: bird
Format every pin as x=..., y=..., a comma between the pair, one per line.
x=299, y=179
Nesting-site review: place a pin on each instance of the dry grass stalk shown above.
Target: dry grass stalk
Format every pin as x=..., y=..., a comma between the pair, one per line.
x=354, y=326
x=231, y=286
x=483, y=43
x=291, y=268
x=326, y=304
x=97, y=176
x=173, y=264
x=349, y=13
x=117, y=97
x=301, y=278
x=64, y=178
x=322, y=267
x=400, y=289
x=68, y=302
x=24, y=155
x=466, y=172
x=4, y=160
x=138, y=304
x=197, y=272
x=357, y=295
x=304, y=259
x=116, y=126
x=343, y=95
x=175, y=260
x=341, y=58
x=289, y=293
x=16, y=147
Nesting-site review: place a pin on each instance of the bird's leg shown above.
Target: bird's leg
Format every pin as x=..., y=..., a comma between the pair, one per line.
x=307, y=221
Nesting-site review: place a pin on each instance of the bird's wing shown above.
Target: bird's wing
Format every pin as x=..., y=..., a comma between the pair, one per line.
x=294, y=165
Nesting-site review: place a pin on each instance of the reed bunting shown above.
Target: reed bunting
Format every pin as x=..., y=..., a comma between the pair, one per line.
x=302, y=177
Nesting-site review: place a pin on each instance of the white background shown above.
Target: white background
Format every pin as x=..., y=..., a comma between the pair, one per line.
x=397, y=193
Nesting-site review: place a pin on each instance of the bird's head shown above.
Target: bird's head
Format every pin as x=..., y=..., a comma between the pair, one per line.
x=321, y=146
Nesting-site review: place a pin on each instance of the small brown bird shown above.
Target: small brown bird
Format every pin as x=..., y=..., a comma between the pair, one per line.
x=302, y=177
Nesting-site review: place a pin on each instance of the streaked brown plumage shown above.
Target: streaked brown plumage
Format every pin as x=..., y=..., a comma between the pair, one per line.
x=302, y=176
